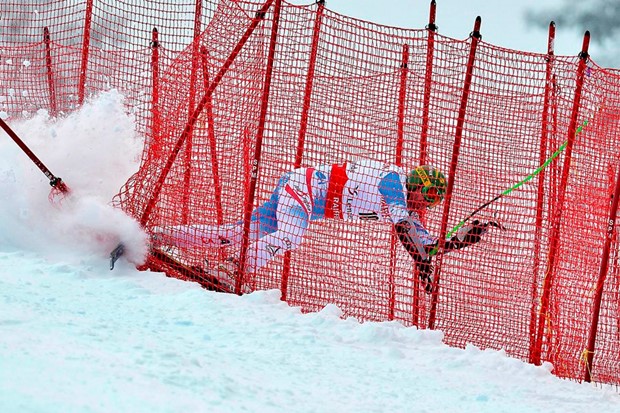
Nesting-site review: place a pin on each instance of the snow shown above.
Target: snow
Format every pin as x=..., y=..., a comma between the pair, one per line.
x=77, y=337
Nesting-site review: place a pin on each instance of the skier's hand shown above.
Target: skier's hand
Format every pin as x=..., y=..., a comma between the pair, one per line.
x=471, y=233
x=425, y=272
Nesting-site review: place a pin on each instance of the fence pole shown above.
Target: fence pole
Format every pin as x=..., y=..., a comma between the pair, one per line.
x=50, y=73
x=316, y=32
x=400, y=137
x=85, y=48
x=598, y=295
x=257, y=151
x=541, y=181
x=428, y=81
x=199, y=108
x=428, y=86
x=536, y=354
x=303, y=126
x=193, y=79
x=215, y=168
x=475, y=38
x=155, y=118
x=400, y=126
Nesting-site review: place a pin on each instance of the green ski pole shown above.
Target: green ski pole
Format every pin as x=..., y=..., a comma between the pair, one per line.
x=509, y=190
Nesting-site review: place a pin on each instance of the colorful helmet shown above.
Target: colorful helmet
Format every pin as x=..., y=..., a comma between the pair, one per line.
x=432, y=181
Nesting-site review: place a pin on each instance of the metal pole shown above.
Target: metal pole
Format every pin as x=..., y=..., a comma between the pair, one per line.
x=536, y=354
x=400, y=137
x=193, y=79
x=541, y=181
x=155, y=119
x=428, y=82
x=475, y=38
x=598, y=295
x=85, y=48
x=400, y=126
x=257, y=152
x=286, y=268
x=215, y=168
x=50, y=73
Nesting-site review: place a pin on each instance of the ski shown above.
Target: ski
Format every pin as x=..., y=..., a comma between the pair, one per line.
x=198, y=274
x=116, y=254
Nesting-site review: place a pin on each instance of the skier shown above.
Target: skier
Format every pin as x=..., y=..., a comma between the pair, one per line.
x=363, y=190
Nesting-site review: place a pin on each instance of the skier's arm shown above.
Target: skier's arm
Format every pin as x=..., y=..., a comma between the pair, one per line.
x=411, y=233
x=187, y=236
x=417, y=243
x=468, y=235
x=414, y=237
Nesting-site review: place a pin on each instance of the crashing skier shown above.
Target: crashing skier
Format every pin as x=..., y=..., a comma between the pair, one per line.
x=362, y=190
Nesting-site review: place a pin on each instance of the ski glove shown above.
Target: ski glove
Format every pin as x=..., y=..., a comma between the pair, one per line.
x=425, y=272
x=470, y=234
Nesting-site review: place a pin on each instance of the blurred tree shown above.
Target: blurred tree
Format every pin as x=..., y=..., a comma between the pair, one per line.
x=600, y=17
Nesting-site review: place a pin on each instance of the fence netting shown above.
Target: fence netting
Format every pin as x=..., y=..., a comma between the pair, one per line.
x=196, y=75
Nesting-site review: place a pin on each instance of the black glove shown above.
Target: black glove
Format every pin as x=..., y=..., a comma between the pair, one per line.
x=425, y=272
x=470, y=234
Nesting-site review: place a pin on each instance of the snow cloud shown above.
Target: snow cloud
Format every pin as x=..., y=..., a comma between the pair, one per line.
x=94, y=150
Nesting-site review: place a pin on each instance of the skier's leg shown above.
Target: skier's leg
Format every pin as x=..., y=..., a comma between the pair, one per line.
x=185, y=236
x=292, y=218
x=287, y=238
x=263, y=222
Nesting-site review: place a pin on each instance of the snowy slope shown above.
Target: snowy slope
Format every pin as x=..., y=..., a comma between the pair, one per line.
x=76, y=337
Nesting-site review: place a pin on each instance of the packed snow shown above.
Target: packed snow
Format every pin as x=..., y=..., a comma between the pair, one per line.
x=77, y=337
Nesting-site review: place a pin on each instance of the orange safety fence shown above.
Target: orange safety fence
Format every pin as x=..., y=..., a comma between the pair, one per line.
x=231, y=95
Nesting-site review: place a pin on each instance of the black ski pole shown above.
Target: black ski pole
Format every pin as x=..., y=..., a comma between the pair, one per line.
x=435, y=250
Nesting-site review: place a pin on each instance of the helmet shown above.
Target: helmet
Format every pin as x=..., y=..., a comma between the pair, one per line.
x=432, y=181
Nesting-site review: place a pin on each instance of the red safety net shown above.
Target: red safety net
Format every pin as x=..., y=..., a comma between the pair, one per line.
x=226, y=115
